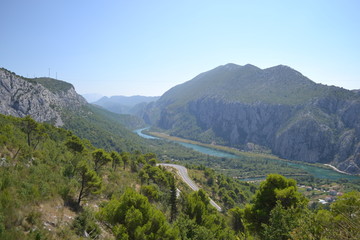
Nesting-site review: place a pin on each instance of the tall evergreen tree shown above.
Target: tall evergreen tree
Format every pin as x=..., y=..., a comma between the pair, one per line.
x=90, y=182
x=29, y=126
x=116, y=159
x=173, y=199
x=100, y=159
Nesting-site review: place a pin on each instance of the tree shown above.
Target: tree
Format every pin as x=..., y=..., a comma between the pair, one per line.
x=144, y=177
x=313, y=225
x=101, y=158
x=126, y=158
x=205, y=222
x=197, y=206
x=40, y=136
x=237, y=219
x=152, y=162
x=281, y=223
x=275, y=188
x=85, y=223
x=133, y=217
x=116, y=159
x=77, y=147
x=90, y=182
x=173, y=199
x=346, y=216
x=149, y=156
x=75, y=144
x=151, y=192
x=29, y=126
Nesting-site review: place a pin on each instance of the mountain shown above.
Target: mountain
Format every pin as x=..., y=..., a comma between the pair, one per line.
x=92, y=97
x=42, y=98
x=56, y=102
x=125, y=105
x=275, y=108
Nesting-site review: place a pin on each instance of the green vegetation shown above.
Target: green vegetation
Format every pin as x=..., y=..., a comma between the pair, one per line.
x=55, y=185
x=133, y=217
x=40, y=187
x=53, y=85
x=249, y=84
x=245, y=165
x=226, y=191
x=104, y=129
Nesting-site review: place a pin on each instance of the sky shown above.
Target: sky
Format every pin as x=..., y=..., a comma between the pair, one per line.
x=146, y=47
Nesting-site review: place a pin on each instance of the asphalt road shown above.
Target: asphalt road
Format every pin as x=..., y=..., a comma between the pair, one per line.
x=182, y=171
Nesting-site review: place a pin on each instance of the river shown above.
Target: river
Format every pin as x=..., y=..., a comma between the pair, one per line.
x=315, y=171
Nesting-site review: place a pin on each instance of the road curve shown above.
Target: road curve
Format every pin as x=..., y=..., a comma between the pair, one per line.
x=182, y=172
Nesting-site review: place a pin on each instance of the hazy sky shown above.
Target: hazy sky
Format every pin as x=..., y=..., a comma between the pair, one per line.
x=146, y=47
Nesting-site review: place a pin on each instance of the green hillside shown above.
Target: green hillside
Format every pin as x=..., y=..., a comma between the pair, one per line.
x=54, y=185
x=53, y=85
x=249, y=84
x=103, y=128
x=276, y=109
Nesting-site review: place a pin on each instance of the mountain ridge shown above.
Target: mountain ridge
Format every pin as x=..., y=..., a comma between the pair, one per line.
x=42, y=98
x=277, y=108
x=248, y=84
x=125, y=105
x=56, y=102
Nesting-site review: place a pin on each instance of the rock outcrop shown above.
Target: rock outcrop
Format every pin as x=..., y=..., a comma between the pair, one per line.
x=20, y=97
x=277, y=108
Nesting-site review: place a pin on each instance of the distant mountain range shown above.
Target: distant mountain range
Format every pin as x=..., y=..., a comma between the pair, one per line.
x=276, y=108
x=92, y=97
x=125, y=105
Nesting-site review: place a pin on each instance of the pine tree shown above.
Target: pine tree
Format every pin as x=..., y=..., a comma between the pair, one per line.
x=100, y=159
x=116, y=159
x=173, y=199
x=90, y=182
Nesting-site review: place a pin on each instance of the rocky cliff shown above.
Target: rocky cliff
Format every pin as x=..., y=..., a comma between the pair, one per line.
x=277, y=109
x=41, y=98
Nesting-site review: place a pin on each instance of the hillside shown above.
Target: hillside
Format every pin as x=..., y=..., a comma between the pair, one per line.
x=124, y=105
x=275, y=108
x=53, y=185
x=56, y=102
x=250, y=84
x=42, y=98
x=62, y=106
x=56, y=185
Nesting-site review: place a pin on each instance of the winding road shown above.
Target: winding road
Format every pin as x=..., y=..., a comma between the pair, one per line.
x=182, y=172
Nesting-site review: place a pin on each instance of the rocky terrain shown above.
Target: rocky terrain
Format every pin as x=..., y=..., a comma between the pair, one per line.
x=41, y=98
x=277, y=108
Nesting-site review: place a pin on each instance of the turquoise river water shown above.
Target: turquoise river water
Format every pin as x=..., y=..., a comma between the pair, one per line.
x=315, y=171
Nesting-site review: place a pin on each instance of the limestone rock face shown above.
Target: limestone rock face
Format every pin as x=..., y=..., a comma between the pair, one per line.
x=275, y=108
x=20, y=97
x=303, y=133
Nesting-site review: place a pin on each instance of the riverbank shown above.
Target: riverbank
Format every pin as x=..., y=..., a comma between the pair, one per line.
x=255, y=162
x=337, y=170
x=214, y=146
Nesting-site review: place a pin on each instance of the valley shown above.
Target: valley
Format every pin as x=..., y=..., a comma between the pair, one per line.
x=179, y=120
x=306, y=169
x=276, y=110
x=108, y=175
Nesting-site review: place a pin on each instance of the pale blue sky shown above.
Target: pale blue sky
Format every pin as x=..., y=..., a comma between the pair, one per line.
x=146, y=47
